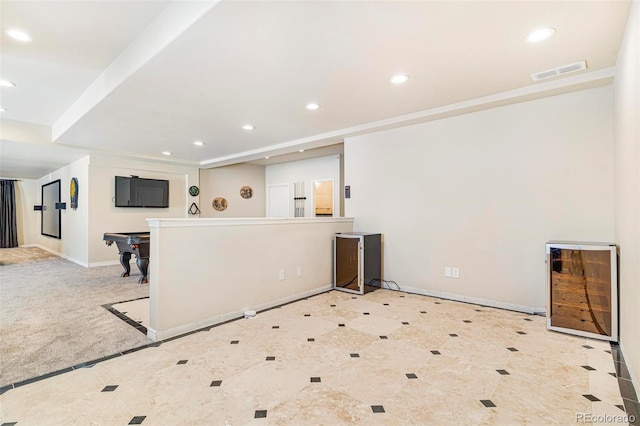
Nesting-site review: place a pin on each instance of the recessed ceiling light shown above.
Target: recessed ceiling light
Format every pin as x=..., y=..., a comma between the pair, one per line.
x=198, y=143
x=18, y=35
x=248, y=127
x=5, y=83
x=166, y=152
x=313, y=106
x=266, y=158
x=2, y=109
x=399, y=79
x=301, y=150
x=540, y=34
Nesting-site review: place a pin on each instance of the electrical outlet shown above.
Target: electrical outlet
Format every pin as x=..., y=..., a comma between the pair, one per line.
x=447, y=271
x=281, y=275
x=455, y=272
x=299, y=271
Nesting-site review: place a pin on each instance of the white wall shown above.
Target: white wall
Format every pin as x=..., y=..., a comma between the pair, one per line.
x=627, y=185
x=204, y=271
x=307, y=171
x=483, y=192
x=74, y=223
x=28, y=220
x=105, y=217
x=226, y=182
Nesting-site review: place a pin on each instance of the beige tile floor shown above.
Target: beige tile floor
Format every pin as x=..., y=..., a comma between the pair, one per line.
x=421, y=360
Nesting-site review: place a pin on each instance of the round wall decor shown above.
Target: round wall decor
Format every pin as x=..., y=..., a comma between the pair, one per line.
x=219, y=204
x=194, y=190
x=246, y=192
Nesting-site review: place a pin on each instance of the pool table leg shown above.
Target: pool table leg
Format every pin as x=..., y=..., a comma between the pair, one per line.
x=124, y=261
x=143, y=266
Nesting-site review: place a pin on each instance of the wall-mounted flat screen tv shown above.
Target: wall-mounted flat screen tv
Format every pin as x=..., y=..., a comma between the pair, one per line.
x=139, y=192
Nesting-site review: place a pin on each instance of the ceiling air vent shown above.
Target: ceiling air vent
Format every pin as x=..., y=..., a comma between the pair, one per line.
x=564, y=69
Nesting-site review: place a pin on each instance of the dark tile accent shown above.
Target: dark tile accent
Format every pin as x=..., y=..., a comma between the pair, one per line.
x=521, y=332
x=105, y=358
x=588, y=347
x=423, y=312
x=436, y=352
x=633, y=409
x=366, y=313
x=437, y=303
x=513, y=349
x=354, y=355
x=626, y=389
x=588, y=367
x=487, y=403
x=333, y=306
x=44, y=376
x=109, y=388
x=354, y=297
x=401, y=296
x=378, y=408
x=503, y=372
x=260, y=414
x=411, y=376
x=383, y=337
x=622, y=371
x=478, y=310
x=613, y=374
x=137, y=420
x=215, y=383
x=315, y=380
x=340, y=325
x=182, y=361
x=591, y=398
x=405, y=323
x=6, y=388
x=235, y=342
x=307, y=315
x=9, y=424
x=617, y=356
x=271, y=358
x=467, y=321
x=132, y=350
x=620, y=406
x=453, y=335
x=528, y=319
x=311, y=339
x=275, y=326
x=607, y=351
x=385, y=304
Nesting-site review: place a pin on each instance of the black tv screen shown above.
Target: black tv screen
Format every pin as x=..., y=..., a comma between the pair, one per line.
x=139, y=192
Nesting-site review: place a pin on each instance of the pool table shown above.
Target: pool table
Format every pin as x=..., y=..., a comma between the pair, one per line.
x=129, y=243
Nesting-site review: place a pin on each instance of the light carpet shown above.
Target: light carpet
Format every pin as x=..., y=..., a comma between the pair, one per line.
x=51, y=314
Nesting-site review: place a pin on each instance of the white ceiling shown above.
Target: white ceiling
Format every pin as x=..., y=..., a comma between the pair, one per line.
x=142, y=77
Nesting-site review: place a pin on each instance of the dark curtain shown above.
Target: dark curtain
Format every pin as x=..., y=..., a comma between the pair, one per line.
x=8, y=225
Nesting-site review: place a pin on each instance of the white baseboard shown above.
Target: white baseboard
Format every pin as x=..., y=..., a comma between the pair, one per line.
x=156, y=335
x=104, y=263
x=473, y=300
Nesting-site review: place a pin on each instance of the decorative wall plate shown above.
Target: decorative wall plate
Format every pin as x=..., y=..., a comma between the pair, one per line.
x=219, y=204
x=194, y=191
x=246, y=192
x=73, y=192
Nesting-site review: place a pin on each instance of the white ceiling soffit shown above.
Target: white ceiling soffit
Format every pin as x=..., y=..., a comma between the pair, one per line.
x=261, y=62
x=73, y=42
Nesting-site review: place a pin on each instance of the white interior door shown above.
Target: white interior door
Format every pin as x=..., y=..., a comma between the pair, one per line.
x=278, y=200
